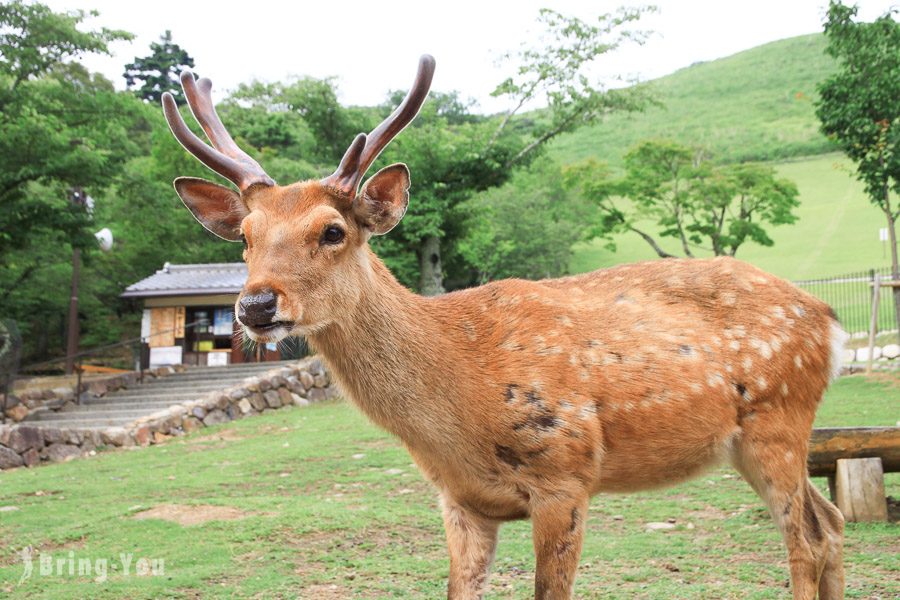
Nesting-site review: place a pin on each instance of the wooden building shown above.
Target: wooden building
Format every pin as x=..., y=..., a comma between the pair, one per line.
x=189, y=317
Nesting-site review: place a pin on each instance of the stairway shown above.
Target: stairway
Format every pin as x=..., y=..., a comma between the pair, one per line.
x=119, y=408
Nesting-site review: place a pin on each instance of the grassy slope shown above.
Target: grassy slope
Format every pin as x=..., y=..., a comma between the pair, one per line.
x=837, y=231
x=325, y=522
x=754, y=105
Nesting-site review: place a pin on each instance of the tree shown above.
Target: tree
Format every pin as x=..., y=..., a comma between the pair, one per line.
x=858, y=107
x=159, y=71
x=525, y=228
x=461, y=153
x=704, y=206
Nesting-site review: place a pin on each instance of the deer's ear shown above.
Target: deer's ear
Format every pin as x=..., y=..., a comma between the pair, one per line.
x=218, y=208
x=383, y=199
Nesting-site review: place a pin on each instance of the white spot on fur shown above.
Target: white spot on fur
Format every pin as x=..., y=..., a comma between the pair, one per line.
x=747, y=364
x=761, y=383
x=734, y=345
x=778, y=312
x=566, y=321
x=798, y=310
x=776, y=344
x=784, y=390
x=798, y=360
x=696, y=387
x=729, y=298
x=587, y=411
x=714, y=380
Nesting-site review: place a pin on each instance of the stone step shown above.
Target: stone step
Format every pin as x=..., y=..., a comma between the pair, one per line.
x=134, y=413
x=149, y=397
x=153, y=390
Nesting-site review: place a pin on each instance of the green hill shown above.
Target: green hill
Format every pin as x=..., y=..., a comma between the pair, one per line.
x=754, y=105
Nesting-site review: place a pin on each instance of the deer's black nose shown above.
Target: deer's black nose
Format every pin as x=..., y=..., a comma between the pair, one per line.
x=257, y=310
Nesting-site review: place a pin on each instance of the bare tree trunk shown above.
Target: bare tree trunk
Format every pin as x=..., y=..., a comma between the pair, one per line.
x=431, y=275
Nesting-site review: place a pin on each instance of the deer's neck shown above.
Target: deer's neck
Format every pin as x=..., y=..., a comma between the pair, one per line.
x=385, y=354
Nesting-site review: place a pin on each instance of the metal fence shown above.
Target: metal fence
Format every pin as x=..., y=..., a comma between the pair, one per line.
x=851, y=298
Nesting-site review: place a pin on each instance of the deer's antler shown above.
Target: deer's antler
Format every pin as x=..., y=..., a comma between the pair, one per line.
x=224, y=157
x=366, y=148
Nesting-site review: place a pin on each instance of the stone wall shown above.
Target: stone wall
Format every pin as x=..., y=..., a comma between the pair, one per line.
x=16, y=407
x=297, y=385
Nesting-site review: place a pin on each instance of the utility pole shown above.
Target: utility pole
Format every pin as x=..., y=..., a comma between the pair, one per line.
x=79, y=199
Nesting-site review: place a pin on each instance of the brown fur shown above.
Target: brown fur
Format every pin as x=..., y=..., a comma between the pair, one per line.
x=522, y=399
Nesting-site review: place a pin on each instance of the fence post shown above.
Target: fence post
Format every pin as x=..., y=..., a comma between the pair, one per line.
x=873, y=324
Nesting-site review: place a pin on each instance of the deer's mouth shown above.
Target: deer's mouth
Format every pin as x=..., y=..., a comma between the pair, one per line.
x=269, y=331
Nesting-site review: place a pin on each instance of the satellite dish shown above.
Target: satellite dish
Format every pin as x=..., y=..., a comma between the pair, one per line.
x=105, y=239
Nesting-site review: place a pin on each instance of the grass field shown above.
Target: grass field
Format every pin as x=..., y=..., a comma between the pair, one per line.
x=333, y=508
x=837, y=230
x=754, y=105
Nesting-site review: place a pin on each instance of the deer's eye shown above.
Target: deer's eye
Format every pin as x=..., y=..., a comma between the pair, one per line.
x=244, y=240
x=332, y=235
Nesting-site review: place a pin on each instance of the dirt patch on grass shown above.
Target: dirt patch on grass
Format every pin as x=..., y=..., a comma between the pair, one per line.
x=187, y=514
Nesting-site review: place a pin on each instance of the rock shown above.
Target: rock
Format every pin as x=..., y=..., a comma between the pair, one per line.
x=64, y=393
x=159, y=437
x=198, y=412
x=332, y=393
x=264, y=385
x=258, y=401
x=294, y=385
x=142, y=435
x=238, y=393
x=116, y=436
x=273, y=399
x=277, y=381
x=4, y=434
x=286, y=372
x=72, y=436
x=299, y=400
x=10, y=459
x=17, y=413
x=659, y=526
x=252, y=384
x=11, y=401
x=316, y=367
x=215, y=417
x=891, y=351
x=232, y=412
x=22, y=438
x=285, y=395
x=191, y=424
x=62, y=452
x=320, y=380
x=862, y=354
x=222, y=402
x=53, y=435
x=244, y=406
x=97, y=388
x=306, y=379
x=316, y=395
x=31, y=457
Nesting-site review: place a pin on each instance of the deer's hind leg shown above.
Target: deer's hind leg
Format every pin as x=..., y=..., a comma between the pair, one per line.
x=771, y=456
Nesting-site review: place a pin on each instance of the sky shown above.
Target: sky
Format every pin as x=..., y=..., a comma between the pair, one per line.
x=373, y=47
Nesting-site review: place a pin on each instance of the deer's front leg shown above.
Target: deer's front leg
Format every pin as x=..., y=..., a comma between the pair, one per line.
x=472, y=540
x=558, y=534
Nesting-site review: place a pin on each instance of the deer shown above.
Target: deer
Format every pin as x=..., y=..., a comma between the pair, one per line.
x=627, y=378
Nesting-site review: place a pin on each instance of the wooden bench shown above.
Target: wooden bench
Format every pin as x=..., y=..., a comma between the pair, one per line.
x=855, y=460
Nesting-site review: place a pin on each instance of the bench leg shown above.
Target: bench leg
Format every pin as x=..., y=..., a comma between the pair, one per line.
x=859, y=489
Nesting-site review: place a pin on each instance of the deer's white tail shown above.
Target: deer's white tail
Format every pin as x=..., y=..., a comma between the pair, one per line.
x=839, y=339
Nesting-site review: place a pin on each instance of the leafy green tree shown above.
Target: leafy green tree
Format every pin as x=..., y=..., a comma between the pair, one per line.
x=704, y=206
x=159, y=71
x=525, y=228
x=462, y=154
x=859, y=107
x=60, y=128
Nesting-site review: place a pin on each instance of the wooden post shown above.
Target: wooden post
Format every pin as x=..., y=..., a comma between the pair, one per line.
x=873, y=324
x=859, y=484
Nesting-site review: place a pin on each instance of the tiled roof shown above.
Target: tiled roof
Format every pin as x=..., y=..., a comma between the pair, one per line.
x=190, y=280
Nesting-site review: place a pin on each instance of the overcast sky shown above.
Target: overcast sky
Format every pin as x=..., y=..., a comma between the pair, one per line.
x=373, y=46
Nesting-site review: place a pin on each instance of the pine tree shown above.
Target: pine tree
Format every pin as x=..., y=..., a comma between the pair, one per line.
x=152, y=75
